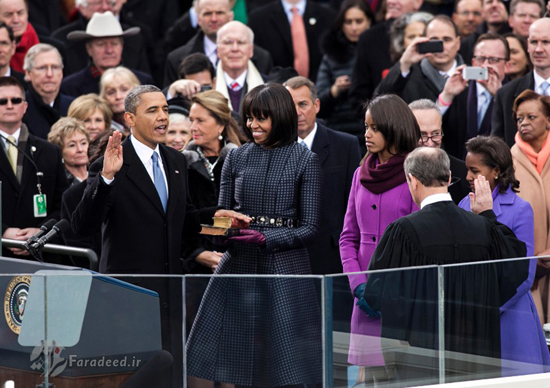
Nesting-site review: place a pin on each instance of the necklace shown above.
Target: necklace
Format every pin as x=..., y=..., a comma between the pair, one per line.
x=209, y=166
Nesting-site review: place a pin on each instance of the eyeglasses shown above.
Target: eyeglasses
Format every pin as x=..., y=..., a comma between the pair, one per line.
x=97, y=3
x=45, y=68
x=14, y=100
x=231, y=42
x=436, y=137
x=468, y=13
x=492, y=60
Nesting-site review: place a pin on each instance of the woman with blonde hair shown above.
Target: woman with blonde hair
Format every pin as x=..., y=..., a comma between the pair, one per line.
x=114, y=86
x=72, y=138
x=93, y=111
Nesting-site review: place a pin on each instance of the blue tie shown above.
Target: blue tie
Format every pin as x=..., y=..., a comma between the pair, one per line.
x=303, y=144
x=544, y=88
x=483, y=107
x=159, y=181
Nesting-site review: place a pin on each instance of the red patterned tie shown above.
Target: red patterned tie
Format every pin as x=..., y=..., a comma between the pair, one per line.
x=299, y=43
x=234, y=86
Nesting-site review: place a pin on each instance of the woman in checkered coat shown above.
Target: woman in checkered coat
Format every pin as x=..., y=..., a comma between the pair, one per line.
x=264, y=331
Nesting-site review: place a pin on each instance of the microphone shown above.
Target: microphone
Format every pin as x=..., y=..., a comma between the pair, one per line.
x=43, y=230
x=58, y=228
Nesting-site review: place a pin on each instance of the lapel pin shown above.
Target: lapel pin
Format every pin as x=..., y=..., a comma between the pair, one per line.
x=177, y=172
x=33, y=149
x=312, y=21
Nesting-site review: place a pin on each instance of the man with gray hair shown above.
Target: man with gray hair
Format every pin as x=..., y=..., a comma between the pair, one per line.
x=339, y=156
x=212, y=15
x=44, y=70
x=429, y=120
x=235, y=73
x=439, y=234
x=137, y=196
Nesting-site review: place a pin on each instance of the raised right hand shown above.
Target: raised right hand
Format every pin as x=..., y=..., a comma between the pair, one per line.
x=184, y=87
x=112, y=162
x=411, y=55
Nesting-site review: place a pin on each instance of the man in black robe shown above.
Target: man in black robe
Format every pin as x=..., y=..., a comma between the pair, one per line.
x=440, y=234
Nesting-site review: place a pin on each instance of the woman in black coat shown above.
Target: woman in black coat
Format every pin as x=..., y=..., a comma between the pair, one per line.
x=214, y=134
x=334, y=76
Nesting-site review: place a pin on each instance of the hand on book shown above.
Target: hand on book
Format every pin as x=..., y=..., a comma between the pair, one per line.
x=249, y=236
x=238, y=220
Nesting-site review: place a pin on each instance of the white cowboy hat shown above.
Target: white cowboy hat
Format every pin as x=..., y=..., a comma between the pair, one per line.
x=102, y=25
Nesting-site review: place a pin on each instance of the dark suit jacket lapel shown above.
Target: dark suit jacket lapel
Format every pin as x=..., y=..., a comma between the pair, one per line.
x=139, y=176
x=280, y=22
x=7, y=171
x=527, y=82
x=173, y=175
x=485, y=128
x=471, y=111
x=28, y=169
x=321, y=144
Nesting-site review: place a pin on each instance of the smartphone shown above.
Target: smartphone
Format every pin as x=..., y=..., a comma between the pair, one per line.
x=475, y=73
x=431, y=46
x=204, y=88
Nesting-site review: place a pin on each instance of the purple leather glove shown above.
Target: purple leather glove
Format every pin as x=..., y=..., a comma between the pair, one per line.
x=249, y=236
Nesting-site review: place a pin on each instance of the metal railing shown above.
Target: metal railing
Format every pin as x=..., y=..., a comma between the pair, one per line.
x=59, y=249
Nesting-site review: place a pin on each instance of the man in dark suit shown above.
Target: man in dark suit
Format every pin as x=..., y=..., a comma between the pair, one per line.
x=428, y=116
x=502, y=123
x=135, y=52
x=339, y=156
x=467, y=106
x=439, y=234
x=271, y=26
x=495, y=18
x=236, y=75
x=44, y=69
x=212, y=15
x=7, y=49
x=373, y=54
x=24, y=192
x=137, y=195
x=105, y=47
x=418, y=75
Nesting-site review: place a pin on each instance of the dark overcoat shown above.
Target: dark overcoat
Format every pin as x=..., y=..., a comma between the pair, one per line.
x=264, y=331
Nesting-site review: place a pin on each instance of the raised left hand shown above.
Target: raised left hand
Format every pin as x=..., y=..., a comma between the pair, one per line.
x=492, y=84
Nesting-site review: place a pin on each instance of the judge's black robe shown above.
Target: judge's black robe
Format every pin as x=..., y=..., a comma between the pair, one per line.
x=439, y=234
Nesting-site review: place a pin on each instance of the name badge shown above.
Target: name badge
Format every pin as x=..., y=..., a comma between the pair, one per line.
x=39, y=205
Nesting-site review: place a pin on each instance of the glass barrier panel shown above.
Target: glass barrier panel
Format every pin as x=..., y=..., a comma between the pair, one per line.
x=389, y=335
x=492, y=326
x=262, y=331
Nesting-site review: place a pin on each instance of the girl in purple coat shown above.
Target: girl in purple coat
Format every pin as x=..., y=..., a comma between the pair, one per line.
x=521, y=335
x=379, y=195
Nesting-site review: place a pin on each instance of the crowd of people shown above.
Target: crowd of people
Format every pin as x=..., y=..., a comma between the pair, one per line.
x=315, y=126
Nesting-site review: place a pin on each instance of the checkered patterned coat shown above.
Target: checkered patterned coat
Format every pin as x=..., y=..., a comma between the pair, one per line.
x=264, y=332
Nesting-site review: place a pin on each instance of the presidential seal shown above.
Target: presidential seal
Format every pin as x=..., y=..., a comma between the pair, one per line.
x=15, y=301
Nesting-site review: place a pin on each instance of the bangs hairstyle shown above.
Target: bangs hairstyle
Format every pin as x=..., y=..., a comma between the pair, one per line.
x=495, y=153
x=275, y=102
x=396, y=122
x=529, y=95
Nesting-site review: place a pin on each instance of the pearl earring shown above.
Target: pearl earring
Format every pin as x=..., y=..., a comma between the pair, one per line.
x=220, y=138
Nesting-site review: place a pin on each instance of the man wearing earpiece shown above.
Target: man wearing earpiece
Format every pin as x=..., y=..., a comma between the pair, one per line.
x=31, y=171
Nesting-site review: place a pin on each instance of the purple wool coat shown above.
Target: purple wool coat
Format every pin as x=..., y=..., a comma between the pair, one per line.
x=521, y=335
x=367, y=217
